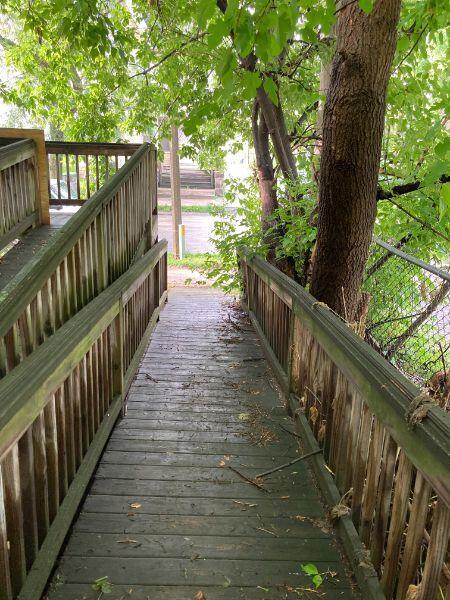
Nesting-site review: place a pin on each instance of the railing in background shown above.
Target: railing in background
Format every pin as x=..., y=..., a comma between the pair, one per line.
x=23, y=187
x=409, y=312
x=97, y=245
x=78, y=170
x=57, y=409
x=386, y=444
x=19, y=198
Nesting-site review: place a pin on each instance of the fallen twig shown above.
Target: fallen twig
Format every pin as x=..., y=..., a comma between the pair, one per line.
x=288, y=464
x=248, y=480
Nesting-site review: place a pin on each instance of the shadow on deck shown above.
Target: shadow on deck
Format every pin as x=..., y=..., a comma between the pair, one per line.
x=167, y=514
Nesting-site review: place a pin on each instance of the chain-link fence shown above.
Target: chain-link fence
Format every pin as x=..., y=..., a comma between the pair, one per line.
x=409, y=313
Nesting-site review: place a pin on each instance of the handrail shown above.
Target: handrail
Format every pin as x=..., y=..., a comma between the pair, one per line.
x=362, y=411
x=55, y=147
x=59, y=406
x=413, y=260
x=94, y=247
x=78, y=169
x=19, y=197
x=15, y=152
x=21, y=394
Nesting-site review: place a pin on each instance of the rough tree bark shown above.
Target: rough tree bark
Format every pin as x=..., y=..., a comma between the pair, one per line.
x=267, y=190
x=264, y=167
x=352, y=134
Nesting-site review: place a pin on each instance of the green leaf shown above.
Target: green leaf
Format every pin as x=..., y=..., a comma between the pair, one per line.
x=366, y=6
x=244, y=37
x=445, y=191
x=317, y=580
x=217, y=31
x=206, y=10
x=310, y=569
x=270, y=87
x=251, y=82
x=443, y=148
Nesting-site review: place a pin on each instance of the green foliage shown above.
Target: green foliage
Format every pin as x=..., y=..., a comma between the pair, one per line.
x=106, y=70
x=102, y=585
x=235, y=227
x=312, y=571
x=194, y=261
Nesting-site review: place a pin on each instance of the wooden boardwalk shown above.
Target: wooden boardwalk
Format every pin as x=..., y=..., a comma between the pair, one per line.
x=167, y=516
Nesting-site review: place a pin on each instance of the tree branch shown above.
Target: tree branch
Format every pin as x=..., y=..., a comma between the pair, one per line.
x=406, y=188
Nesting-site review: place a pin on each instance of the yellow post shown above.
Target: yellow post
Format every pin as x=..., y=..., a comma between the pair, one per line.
x=42, y=166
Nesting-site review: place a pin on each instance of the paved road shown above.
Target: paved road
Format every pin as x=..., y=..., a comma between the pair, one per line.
x=198, y=230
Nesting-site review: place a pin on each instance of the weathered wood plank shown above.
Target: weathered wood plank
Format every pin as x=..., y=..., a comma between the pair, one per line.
x=164, y=480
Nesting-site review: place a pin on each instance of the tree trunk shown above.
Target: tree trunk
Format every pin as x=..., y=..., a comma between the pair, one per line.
x=352, y=134
x=175, y=187
x=264, y=167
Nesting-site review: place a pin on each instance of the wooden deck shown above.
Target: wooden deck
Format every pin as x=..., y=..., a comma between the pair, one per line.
x=166, y=516
x=28, y=245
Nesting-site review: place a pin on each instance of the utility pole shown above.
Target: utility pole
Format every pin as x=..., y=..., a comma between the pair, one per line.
x=175, y=187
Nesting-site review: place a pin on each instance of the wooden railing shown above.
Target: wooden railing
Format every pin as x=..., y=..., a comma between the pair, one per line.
x=78, y=170
x=19, y=195
x=23, y=182
x=387, y=446
x=57, y=409
x=97, y=245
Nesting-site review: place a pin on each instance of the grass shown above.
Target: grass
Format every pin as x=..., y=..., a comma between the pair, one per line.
x=195, y=208
x=195, y=262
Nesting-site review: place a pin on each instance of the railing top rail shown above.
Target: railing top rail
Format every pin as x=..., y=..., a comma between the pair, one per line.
x=388, y=393
x=22, y=396
x=18, y=294
x=412, y=259
x=15, y=151
x=92, y=148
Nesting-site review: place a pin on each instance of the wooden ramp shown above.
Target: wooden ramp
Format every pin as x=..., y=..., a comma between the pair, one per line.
x=169, y=513
x=27, y=246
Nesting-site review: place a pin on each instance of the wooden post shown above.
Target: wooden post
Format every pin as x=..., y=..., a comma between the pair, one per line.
x=42, y=166
x=175, y=186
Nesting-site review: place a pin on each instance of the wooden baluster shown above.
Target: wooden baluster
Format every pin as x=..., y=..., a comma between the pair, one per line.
x=437, y=552
x=5, y=578
x=70, y=428
x=97, y=174
x=359, y=474
x=13, y=350
x=84, y=403
x=383, y=505
x=72, y=281
x=373, y=471
x=77, y=169
x=90, y=391
x=14, y=518
x=60, y=407
x=397, y=524
x=28, y=496
x=53, y=461
x=58, y=178
x=414, y=537
x=40, y=477
x=69, y=195
x=77, y=417
x=88, y=188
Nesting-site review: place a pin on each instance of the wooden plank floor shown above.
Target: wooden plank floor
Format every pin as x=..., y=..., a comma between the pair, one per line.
x=28, y=245
x=166, y=517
